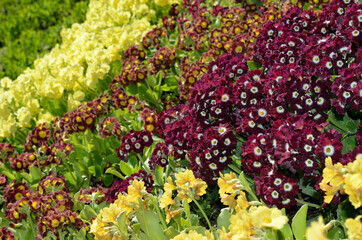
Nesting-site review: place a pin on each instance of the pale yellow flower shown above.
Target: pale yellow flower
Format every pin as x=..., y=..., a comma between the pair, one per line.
x=185, y=180
x=240, y=226
x=166, y=200
x=188, y=184
x=354, y=227
x=192, y=235
x=264, y=217
x=135, y=191
x=227, y=183
x=169, y=186
x=242, y=202
x=318, y=230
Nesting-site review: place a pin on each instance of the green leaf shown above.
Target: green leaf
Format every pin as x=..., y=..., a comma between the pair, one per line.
x=344, y=123
x=145, y=94
x=299, y=223
x=336, y=233
x=126, y=169
x=114, y=172
x=107, y=179
x=150, y=224
x=159, y=175
x=286, y=230
x=81, y=234
x=132, y=89
x=121, y=220
x=88, y=212
x=349, y=143
x=253, y=65
x=223, y=220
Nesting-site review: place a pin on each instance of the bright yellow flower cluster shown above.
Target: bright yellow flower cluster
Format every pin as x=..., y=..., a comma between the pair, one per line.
x=251, y=223
x=193, y=235
x=78, y=63
x=344, y=180
x=229, y=187
x=187, y=187
x=107, y=219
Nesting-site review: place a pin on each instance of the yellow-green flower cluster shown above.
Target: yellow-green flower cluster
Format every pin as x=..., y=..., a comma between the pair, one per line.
x=77, y=64
x=343, y=180
x=106, y=224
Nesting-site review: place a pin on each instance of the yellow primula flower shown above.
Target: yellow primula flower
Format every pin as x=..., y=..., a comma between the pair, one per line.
x=264, y=217
x=135, y=191
x=166, y=200
x=318, y=230
x=242, y=202
x=353, y=187
x=332, y=179
x=354, y=227
x=192, y=235
x=353, y=182
x=240, y=226
x=187, y=184
x=227, y=183
x=169, y=186
x=110, y=214
x=185, y=180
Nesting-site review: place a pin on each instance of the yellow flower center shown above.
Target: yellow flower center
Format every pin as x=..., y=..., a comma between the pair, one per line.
x=267, y=220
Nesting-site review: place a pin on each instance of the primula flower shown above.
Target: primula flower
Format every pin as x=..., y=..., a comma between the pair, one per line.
x=332, y=179
x=240, y=227
x=192, y=235
x=264, y=217
x=136, y=190
x=186, y=183
x=354, y=227
x=318, y=230
x=353, y=182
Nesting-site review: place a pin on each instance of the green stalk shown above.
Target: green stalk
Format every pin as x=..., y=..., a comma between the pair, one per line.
x=202, y=211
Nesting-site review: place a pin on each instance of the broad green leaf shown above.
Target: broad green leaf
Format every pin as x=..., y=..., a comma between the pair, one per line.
x=132, y=89
x=126, y=169
x=286, y=230
x=223, y=220
x=36, y=173
x=336, y=233
x=299, y=223
x=150, y=224
x=107, y=179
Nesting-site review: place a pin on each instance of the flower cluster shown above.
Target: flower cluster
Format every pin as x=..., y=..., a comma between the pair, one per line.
x=107, y=224
x=120, y=186
x=188, y=187
x=339, y=179
x=110, y=127
x=134, y=141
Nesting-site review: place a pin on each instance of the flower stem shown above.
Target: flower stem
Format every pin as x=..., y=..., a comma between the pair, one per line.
x=202, y=211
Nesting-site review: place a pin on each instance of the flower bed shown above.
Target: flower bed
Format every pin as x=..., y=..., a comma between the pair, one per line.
x=230, y=121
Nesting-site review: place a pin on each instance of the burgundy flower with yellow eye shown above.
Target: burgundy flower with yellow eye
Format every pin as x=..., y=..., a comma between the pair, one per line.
x=14, y=191
x=51, y=183
x=6, y=151
x=5, y=233
x=110, y=127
